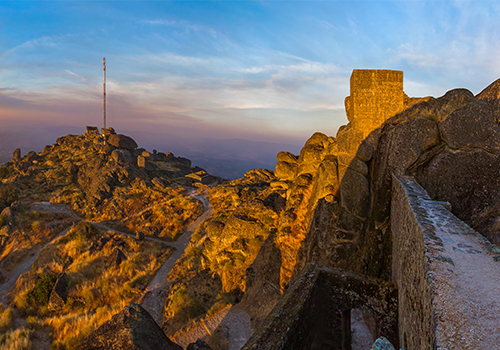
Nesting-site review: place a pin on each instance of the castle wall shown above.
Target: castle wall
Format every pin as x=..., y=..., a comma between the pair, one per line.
x=447, y=275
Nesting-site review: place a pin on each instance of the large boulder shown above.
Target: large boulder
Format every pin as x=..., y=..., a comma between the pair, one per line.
x=116, y=258
x=472, y=126
x=16, y=156
x=59, y=294
x=122, y=141
x=285, y=171
x=133, y=328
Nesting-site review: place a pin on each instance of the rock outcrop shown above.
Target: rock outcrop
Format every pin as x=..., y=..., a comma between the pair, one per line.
x=131, y=329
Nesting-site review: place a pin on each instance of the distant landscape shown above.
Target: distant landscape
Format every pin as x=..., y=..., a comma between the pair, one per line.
x=227, y=158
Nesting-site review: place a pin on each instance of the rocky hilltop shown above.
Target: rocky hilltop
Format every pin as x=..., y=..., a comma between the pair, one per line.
x=84, y=227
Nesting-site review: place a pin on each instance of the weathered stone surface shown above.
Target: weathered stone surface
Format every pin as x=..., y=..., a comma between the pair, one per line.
x=122, y=141
x=365, y=151
x=108, y=131
x=143, y=162
x=92, y=130
x=131, y=329
x=375, y=96
x=160, y=183
x=119, y=155
x=287, y=157
x=451, y=101
x=59, y=294
x=199, y=345
x=469, y=180
x=348, y=140
x=352, y=163
x=317, y=139
x=31, y=156
x=107, y=148
x=355, y=193
x=491, y=95
x=326, y=180
x=116, y=258
x=285, y=171
x=16, y=157
x=309, y=314
x=8, y=213
x=382, y=344
x=472, y=126
x=399, y=147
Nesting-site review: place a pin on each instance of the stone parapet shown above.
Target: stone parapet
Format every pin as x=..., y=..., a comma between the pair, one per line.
x=447, y=275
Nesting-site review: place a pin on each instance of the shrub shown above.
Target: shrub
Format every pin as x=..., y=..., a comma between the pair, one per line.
x=41, y=291
x=8, y=195
x=6, y=321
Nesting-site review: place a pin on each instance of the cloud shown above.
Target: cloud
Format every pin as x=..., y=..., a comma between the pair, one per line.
x=182, y=24
x=74, y=74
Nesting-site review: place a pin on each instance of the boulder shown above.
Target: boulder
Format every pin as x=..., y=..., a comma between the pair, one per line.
x=199, y=345
x=139, y=235
x=318, y=139
x=160, y=183
x=92, y=130
x=31, y=156
x=472, y=126
x=116, y=258
x=108, y=149
x=16, y=156
x=59, y=294
x=286, y=157
x=326, y=180
x=451, y=101
x=399, y=147
x=143, y=162
x=365, y=151
x=8, y=213
x=355, y=193
x=108, y=131
x=491, y=95
x=285, y=171
x=122, y=141
x=133, y=328
x=122, y=156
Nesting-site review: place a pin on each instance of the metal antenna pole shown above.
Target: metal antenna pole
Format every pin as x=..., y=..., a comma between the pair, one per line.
x=104, y=89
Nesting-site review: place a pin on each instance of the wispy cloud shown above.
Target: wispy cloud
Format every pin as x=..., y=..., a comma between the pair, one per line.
x=183, y=25
x=74, y=74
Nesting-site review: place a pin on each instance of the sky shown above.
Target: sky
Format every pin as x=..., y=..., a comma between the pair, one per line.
x=227, y=80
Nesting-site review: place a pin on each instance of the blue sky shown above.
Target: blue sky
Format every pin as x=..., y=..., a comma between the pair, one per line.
x=256, y=70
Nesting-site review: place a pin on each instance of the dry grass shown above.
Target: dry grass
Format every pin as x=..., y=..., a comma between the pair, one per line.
x=18, y=339
x=96, y=290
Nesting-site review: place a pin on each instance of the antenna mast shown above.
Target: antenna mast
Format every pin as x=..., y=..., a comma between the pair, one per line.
x=104, y=89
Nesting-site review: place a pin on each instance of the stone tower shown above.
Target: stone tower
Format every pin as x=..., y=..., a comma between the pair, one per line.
x=375, y=96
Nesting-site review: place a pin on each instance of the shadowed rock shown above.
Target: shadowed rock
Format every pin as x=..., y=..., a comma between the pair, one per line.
x=133, y=328
x=116, y=258
x=16, y=156
x=122, y=141
x=199, y=345
x=59, y=293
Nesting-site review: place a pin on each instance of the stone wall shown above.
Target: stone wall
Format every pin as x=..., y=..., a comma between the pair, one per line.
x=375, y=96
x=312, y=313
x=447, y=275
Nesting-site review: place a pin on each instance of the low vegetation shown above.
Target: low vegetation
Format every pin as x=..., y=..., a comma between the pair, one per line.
x=97, y=284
